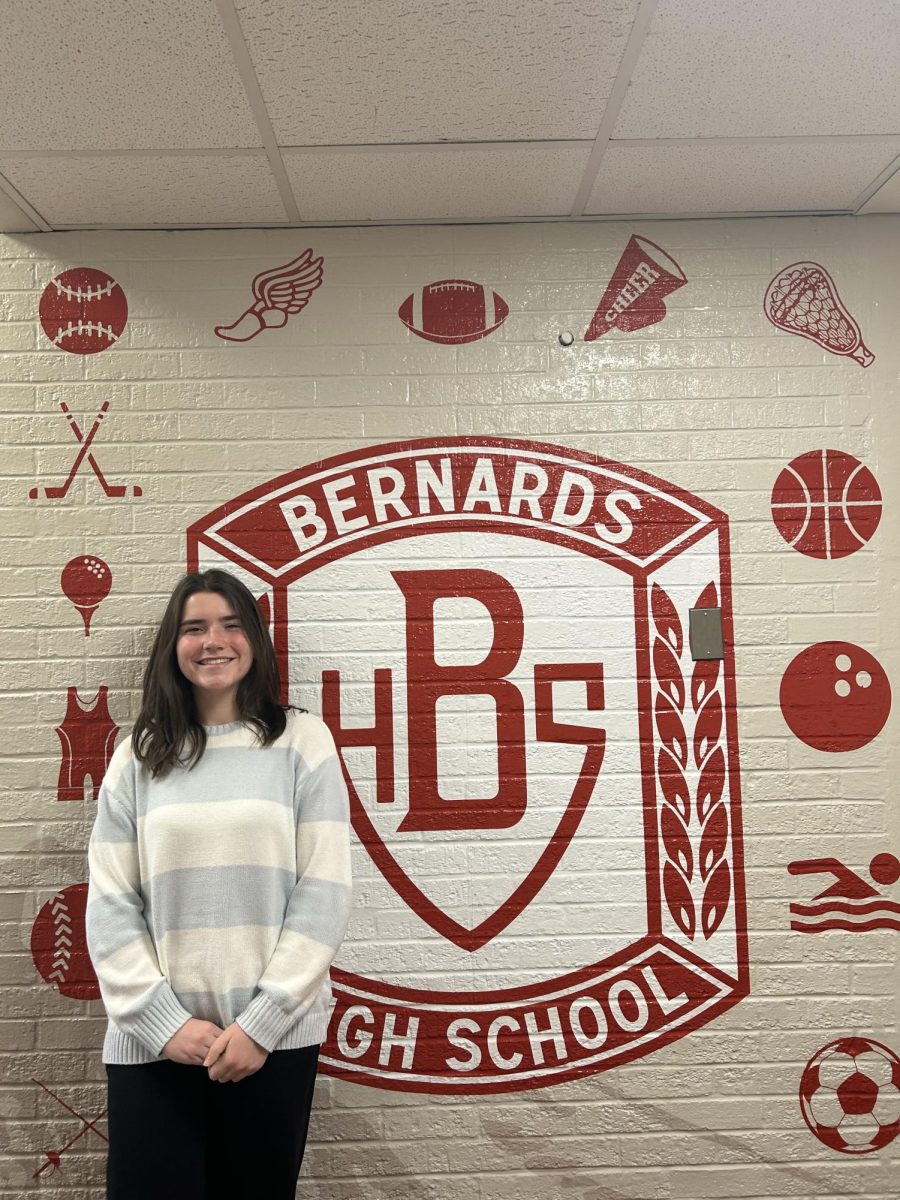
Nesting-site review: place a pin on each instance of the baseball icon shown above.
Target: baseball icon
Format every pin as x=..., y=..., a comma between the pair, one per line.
x=59, y=947
x=835, y=696
x=850, y=1095
x=83, y=310
x=826, y=504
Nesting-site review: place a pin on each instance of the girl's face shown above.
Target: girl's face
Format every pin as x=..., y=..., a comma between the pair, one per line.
x=212, y=650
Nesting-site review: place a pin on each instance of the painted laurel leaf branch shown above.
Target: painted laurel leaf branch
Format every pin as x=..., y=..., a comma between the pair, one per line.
x=672, y=761
x=685, y=755
x=709, y=760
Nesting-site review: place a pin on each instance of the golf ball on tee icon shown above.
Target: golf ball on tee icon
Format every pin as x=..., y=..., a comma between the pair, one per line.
x=86, y=580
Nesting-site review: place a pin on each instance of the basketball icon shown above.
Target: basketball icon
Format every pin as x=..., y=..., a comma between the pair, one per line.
x=826, y=504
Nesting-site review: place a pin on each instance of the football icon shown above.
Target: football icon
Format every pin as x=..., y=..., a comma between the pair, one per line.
x=453, y=311
x=850, y=1095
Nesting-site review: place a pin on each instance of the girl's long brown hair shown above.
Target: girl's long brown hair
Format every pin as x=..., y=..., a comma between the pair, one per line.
x=168, y=731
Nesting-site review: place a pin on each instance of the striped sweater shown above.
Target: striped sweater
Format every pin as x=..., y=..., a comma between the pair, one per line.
x=220, y=892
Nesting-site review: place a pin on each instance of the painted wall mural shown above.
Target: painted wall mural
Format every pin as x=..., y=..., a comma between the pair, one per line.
x=85, y=454
x=453, y=311
x=516, y=748
x=826, y=504
x=88, y=737
x=278, y=293
x=500, y=633
x=86, y=581
x=83, y=310
x=59, y=945
x=849, y=902
x=53, y=1158
x=634, y=296
x=850, y=1095
x=835, y=696
x=803, y=299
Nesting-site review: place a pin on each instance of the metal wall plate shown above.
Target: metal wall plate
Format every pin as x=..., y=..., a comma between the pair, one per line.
x=706, y=633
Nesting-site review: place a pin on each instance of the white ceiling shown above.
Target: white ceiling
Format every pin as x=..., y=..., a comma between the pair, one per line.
x=186, y=113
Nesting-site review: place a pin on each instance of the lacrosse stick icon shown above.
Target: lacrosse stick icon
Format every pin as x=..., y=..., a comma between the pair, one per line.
x=56, y=493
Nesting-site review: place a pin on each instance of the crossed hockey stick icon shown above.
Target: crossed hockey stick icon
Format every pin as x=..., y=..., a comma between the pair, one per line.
x=53, y=1156
x=55, y=493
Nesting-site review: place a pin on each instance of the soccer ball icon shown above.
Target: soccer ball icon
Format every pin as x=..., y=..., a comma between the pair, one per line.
x=850, y=1095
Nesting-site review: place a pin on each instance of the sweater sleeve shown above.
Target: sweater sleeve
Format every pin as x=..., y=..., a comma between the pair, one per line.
x=137, y=996
x=319, y=906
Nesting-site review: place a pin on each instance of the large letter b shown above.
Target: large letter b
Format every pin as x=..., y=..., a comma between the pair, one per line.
x=427, y=682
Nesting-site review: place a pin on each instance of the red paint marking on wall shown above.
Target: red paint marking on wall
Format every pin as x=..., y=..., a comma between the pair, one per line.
x=835, y=696
x=88, y=737
x=803, y=299
x=475, y=728
x=826, y=504
x=453, y=311
x=850, y=1095
x=53, y=1157
x=84, y=454
x=83, y=310
x=849, y=902
x=486, y=1044
x=278, y=293
x=59, y=945
x=634, y=296
x=86, y=581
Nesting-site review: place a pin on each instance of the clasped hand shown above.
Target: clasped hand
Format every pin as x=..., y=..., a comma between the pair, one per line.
x=229, y=1054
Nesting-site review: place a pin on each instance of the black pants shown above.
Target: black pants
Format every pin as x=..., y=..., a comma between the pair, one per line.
x=174, y=1134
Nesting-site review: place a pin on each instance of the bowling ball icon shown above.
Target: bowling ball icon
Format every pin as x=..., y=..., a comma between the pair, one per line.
x=835, y=696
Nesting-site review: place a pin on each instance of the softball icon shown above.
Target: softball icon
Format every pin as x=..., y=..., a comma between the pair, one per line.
x=59, y=945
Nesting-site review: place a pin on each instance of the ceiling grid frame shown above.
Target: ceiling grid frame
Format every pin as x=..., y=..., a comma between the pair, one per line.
x=16, y=198
x=890, y=171
x=244, y=64
x=635, y=35
x=638, y=35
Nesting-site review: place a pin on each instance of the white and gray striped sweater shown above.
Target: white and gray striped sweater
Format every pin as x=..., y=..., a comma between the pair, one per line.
x=221, y=892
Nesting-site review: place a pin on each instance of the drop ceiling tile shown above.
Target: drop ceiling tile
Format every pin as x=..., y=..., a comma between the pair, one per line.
x=716, y=177
x=886, y=199
x=436, y=183
x=152, y=74
x=341, y=72
x=133, y=192
x=12, y=219
x=742, y=68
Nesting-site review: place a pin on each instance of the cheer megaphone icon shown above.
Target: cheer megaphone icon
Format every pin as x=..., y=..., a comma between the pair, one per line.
x=634, y=296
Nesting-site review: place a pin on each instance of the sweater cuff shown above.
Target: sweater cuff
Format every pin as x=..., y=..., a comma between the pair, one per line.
x=162, y=1020
x=265, y=1022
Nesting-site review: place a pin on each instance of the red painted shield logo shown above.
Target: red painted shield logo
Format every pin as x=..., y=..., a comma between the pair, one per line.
x=543, y=781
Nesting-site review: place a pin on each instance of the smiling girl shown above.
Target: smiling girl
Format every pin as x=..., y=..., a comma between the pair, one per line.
x=219, y=894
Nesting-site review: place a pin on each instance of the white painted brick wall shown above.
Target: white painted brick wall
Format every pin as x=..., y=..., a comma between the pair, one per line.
x=714, y=400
